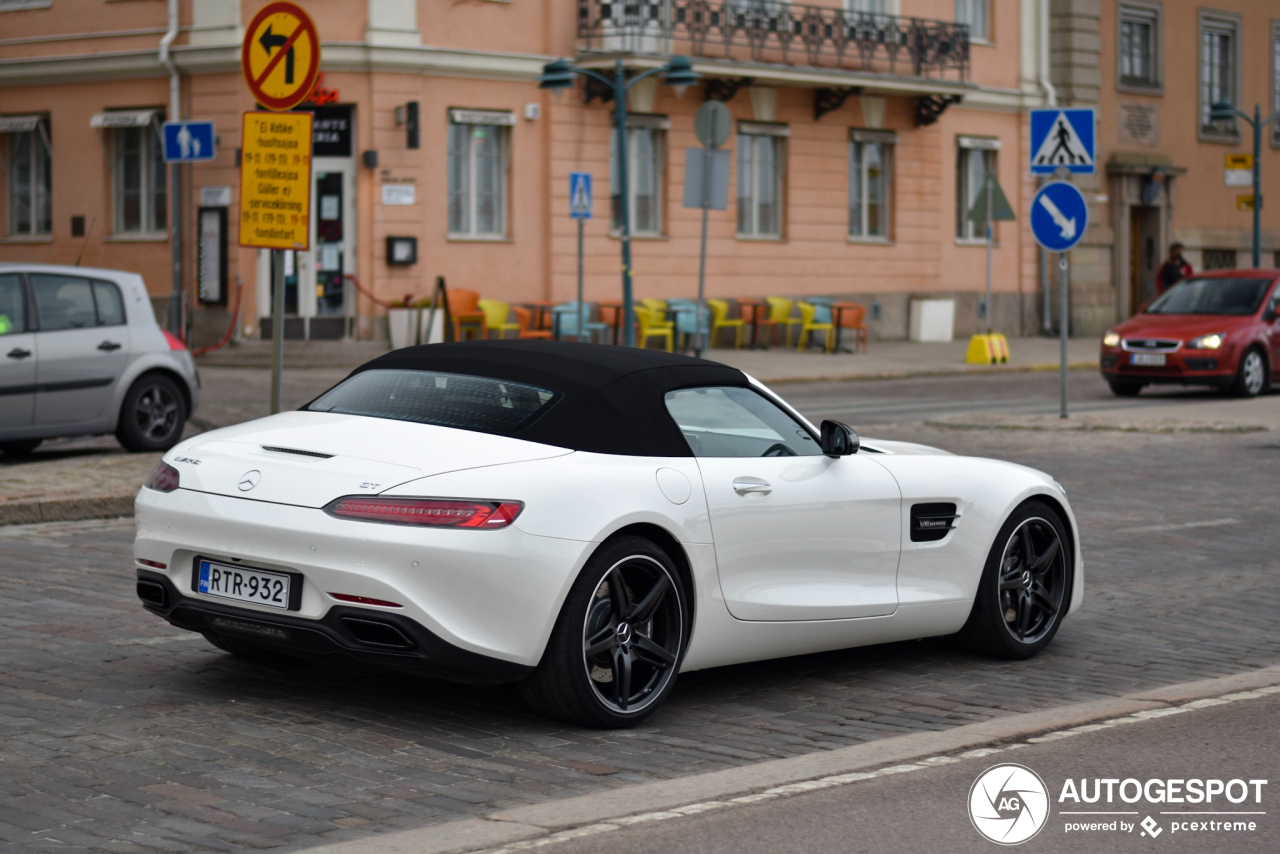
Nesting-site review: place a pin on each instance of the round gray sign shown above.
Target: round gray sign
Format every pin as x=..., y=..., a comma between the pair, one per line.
x=712, y=124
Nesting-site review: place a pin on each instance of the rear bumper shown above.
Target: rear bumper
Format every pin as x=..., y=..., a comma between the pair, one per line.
x=372, y=637
x=1185, y=367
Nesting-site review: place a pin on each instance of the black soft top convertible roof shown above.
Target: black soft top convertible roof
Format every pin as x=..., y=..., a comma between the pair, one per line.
x=610, y=398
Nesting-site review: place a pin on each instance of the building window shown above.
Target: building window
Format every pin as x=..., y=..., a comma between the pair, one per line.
x=761, y=161
x=870, y=184
x=1139, y=45
x=1218, y=259
x=478, y=174
x=976, y=158
x=141, y=203
x=975, y=14
x=1218, y=80
x=646, y=157
x=29, y=181
x=869, y=7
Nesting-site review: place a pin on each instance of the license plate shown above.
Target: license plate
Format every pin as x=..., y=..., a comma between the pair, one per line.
x=1150, y=359
x=244, y=585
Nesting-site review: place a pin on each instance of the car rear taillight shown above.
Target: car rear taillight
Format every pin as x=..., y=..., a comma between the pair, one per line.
x=163, y=478
x=175, y=343
x=427, y=512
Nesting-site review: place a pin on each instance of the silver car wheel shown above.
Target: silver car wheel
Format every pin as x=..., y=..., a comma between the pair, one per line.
x=1254, y=372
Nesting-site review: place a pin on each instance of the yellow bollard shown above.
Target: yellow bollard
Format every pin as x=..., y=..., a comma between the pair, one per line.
x=990, y=349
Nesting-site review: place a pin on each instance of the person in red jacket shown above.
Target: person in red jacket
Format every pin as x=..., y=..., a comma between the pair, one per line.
x=1173, y=270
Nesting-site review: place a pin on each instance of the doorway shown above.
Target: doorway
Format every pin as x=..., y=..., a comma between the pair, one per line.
x=1144, y=254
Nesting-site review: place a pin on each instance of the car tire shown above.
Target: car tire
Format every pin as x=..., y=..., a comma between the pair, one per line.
x=19, y=447
x=627, y=613
x=1251, y=376
x=1012, y=586
x=1125, y=388
x=153, y=414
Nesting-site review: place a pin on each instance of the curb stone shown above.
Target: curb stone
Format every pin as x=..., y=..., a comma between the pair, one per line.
x=1038, y=367
x=67, y=509
x=525, y=823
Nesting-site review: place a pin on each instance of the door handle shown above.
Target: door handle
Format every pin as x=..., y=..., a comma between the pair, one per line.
x=748, y=485
x=18, y=353
x=108, y=346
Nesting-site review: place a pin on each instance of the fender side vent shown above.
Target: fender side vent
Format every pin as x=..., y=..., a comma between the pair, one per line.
x=300, y=453
x=931, y=522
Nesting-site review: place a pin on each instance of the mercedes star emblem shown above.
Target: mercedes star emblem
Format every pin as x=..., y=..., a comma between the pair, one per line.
x=249, y=480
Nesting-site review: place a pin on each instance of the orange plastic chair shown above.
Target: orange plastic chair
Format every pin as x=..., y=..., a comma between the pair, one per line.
x=852, y=317
x=524, y=319
x=808, y=327
x=651, y=327
x=779, y=317
x=495, y=314
x=720, y=320
x=464, y=310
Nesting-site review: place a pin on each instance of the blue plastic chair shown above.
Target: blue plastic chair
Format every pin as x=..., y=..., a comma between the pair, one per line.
x=564, y=322
x=822, y=306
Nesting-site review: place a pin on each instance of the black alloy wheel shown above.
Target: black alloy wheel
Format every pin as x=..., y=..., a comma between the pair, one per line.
x=153, y=415
x=618, y=642
x=1026, y=585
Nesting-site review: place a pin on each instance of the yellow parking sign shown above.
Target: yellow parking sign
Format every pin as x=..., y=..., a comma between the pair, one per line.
x=275, y=181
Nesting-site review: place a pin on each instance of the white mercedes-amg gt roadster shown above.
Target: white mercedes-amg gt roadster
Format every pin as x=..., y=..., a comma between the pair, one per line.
x=589, y=521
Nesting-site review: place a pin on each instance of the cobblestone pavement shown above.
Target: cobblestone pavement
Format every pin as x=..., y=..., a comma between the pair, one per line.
x=119, y=733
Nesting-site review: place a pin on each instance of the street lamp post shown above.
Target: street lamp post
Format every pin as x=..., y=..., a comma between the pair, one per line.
x=1223, y=111
x=679, y=74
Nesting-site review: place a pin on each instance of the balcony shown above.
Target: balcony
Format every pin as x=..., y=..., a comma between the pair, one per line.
x=778, y=33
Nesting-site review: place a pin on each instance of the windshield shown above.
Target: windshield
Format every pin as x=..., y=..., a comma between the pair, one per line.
x=1212, y=296
x=480, y=404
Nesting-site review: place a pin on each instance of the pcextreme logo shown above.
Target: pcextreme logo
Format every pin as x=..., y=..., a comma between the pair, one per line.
x=1008, y=804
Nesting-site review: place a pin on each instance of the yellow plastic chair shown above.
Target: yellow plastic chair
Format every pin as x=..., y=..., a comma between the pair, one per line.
x=779, y=317
x=651, y=327
x=659, y=308
x=496, y=313
x=720, y=320
x=808, y=327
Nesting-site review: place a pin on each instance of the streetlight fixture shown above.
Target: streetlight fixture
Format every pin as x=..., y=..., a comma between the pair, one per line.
x=1222, y=111
x=558, y=75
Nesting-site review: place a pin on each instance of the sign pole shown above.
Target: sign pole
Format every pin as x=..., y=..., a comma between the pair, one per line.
x=277, y=327
x=582, y=313
x=990, y=237
x=707, y=156
x=1064, y=308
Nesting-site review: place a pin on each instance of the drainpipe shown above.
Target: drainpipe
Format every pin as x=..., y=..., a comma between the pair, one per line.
x=1051, y=100
x=175, y=171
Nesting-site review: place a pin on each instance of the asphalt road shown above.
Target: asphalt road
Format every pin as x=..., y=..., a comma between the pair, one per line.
x=927, y=810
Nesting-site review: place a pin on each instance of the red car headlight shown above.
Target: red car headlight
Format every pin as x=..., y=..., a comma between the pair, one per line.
x=427, y=512
x=163, y=478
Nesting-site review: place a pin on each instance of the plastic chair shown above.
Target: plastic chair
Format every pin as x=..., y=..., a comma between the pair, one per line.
x=779, y=317
x=658, y=306
x=720, y=320
x=564, y=321
x=524, y=317
x=496, y=313
x=464, y=311
x=684, y=314
x=651, y=327
x=808, y=326
x=851, y=317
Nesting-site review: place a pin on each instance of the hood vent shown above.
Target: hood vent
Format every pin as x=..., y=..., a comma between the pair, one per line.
x=931, y=522
x=279, y=450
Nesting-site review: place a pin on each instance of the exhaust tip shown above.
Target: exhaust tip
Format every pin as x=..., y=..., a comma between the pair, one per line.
x=152, y=593
x=376, y=633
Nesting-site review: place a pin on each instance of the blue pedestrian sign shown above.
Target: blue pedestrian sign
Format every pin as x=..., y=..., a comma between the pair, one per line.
x=580, y=195
x=188, y=142
x=1063, y=139
x=1059, y=216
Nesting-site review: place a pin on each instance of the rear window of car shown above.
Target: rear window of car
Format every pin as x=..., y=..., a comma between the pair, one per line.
x=481, y=404
x=1212, y=296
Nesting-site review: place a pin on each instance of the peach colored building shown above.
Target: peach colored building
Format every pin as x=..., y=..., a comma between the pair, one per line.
x=862, y=130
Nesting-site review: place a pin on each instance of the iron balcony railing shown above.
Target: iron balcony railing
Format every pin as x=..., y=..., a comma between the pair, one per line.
x=775, y=31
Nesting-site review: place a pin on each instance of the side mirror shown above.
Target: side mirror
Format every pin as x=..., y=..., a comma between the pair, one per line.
x=838, y=439
x=1269, y=314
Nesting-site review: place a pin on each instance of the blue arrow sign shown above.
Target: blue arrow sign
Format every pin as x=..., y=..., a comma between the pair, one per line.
x=188, y=142
x=1059, y=216
x=580, y=195
x=1063, y=139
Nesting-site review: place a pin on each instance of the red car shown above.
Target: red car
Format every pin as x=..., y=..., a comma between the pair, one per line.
x=1216, y=329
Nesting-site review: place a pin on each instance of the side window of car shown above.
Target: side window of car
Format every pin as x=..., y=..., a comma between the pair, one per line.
x=63, y=302
x=730, y=421
x=110, y=304
x=13, y=313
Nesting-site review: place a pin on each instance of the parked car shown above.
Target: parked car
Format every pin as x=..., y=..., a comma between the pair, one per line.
x=81, y=353
x=1219, y=329
x=589, y=521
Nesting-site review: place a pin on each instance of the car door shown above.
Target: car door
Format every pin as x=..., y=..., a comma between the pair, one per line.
x=1273, y=332
x=84, y=346
x=798, y=535
x=17, y=356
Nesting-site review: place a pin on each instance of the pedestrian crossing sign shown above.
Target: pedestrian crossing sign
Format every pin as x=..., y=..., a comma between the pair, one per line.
x=580, y=195
x=1063, y=139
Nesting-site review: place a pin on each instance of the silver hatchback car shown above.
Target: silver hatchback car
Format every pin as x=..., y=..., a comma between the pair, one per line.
x=81, y=353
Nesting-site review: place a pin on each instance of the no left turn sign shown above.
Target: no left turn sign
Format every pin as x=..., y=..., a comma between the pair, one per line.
x=280, y=56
